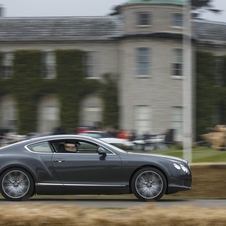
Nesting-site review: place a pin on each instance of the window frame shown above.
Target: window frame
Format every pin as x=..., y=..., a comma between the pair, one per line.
x=33, y=144
x=142, y=118
x=141, y=63
x=175, y=23
x=109, y=152
x=48, y=65
x=94, y=65
x=143, y=22
x=6, y=65
x=179, y=64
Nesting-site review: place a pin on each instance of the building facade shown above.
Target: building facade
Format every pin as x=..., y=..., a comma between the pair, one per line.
x=142, y=46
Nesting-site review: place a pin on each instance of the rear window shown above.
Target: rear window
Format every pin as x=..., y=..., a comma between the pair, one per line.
x=42, y=147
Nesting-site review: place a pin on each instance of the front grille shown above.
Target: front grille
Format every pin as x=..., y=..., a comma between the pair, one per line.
x=186, y=183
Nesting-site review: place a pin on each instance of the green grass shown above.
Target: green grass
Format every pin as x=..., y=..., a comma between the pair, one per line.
x=199, y=154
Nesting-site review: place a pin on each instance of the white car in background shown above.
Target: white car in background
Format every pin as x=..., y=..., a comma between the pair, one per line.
x=104, y=136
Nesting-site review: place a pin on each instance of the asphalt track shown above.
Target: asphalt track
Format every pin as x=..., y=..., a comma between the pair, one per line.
x=119, y=203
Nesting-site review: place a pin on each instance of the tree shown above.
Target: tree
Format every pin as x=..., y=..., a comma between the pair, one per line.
x=201, y=6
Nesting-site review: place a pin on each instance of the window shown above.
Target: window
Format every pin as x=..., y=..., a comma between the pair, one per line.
x=177, y=122
x=82, y=147
x=142, y=119
x=177, y=20
x=6, y=65
x=8, y=115
x=91, y=64
x=48, y=65
x=143, y=61
x=143, y=19
x=219, y=72
x=92, y=116
x=177, y=65
x=51, y=113
x=42, y=147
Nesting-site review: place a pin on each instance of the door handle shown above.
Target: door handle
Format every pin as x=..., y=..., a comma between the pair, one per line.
x=58, y=160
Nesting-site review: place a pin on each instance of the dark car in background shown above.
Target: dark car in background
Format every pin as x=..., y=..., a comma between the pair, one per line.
x=74, y=164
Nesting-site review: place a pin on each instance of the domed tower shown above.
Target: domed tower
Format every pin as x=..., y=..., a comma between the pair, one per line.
x=150, y=16
x=151, y=65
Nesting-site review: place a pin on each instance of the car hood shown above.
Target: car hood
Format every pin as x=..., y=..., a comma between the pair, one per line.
x=171, y=158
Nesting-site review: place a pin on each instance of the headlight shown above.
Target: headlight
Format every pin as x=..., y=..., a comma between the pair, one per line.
x=185, y=169
x=181, y=167
x=177, y=166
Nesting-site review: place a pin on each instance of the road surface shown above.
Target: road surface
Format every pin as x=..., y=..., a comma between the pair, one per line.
x=119, y=203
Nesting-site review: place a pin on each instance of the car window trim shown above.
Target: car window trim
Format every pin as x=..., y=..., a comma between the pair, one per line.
x=53, y=151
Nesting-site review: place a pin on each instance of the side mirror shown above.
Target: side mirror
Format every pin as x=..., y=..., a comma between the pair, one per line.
x=101, y=151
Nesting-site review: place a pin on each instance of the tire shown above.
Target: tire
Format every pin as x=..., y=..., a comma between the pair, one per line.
x=16, y=184
x=149, y=184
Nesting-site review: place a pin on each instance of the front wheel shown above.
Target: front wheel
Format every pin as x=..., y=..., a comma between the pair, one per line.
x=16, y=184
x=149, y=184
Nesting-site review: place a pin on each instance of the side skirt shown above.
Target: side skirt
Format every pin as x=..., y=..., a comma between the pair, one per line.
x=76, y=189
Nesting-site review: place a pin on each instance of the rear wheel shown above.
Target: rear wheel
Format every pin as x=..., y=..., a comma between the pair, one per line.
x=149, y=184
x=16, y=184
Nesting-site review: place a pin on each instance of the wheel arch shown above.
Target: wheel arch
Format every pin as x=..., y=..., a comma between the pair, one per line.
x=20, y=167
x=146, y=166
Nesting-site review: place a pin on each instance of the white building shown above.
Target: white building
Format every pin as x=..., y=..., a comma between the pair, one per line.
x=143, y=45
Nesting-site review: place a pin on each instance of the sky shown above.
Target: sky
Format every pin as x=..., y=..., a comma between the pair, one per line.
x=55, y=8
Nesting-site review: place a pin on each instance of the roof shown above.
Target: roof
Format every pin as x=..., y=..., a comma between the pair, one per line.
x=59, y=28
x=209, y=31
x=89, y=28
x=177, y=2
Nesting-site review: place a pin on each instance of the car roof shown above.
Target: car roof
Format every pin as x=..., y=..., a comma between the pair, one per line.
x=63, y=136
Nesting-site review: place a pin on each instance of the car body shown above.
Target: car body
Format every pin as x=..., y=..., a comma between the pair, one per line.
x=104, y=136
x=41, y=166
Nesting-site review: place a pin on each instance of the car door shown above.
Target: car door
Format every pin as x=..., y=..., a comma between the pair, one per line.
x=87, y=167
x=42, y=162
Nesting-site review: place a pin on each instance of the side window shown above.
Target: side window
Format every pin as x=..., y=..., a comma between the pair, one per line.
x=42, y=147
x=86, y=147
x=75, y=146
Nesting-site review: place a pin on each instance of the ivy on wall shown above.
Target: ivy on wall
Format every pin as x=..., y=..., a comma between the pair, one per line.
x=209, y=96
x=28, y=87
x=109, y=94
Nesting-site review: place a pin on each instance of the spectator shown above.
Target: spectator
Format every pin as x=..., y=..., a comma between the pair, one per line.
x=58, y=131
x=123, y=134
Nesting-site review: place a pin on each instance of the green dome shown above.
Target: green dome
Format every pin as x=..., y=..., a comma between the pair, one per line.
x=177, y=2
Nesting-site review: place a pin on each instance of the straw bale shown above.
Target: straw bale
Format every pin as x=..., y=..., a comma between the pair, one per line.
x=217, y=137
x=150, y=214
